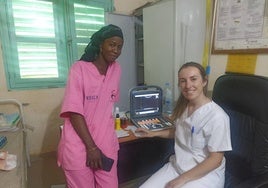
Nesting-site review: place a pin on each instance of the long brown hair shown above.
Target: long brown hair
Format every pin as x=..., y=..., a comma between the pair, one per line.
x=182, y=101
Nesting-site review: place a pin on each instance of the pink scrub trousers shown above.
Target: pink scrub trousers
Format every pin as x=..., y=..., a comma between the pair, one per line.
x=87, y=178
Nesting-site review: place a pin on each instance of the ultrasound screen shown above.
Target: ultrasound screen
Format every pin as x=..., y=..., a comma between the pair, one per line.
x=146, y=103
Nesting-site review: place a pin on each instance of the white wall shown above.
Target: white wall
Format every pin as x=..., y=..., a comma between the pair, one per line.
x=159, y=43
x=178, y=39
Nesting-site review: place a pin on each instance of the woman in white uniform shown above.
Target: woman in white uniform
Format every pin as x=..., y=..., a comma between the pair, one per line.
x=201, y=133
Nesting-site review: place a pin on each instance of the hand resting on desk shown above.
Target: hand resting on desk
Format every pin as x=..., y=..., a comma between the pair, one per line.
x=144, y=132
x=133, y=129
x=166, y=133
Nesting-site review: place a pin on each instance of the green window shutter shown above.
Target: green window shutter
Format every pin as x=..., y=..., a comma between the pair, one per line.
x=36, y=40
x=34, y=47
x=86, y=24
x=44, y=37
x=85, y=19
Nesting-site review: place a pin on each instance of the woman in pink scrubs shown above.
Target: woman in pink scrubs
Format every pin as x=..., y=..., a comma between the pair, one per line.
x=88, y=132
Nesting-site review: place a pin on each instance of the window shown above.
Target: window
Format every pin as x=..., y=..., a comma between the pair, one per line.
x=41, y=38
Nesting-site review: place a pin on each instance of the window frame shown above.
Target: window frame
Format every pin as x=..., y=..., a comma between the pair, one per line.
x=64, y=24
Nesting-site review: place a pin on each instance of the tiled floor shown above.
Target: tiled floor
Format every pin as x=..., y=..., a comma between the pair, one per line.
x=44, y=172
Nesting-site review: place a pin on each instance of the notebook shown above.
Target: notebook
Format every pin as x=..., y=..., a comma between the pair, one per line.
x=146, y=108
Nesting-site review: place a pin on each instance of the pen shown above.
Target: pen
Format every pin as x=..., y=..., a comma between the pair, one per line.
x=192, y=130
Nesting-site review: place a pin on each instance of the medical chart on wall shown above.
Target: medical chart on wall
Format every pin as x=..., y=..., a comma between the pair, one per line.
x=241, y=25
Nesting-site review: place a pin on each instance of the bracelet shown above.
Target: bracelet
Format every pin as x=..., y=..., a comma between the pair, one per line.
x=93, y=148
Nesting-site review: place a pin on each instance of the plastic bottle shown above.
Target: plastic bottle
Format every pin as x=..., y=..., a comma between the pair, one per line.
x=117, y=119
x=168, y=100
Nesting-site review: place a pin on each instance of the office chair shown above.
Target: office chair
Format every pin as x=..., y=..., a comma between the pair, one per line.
x=245, y=99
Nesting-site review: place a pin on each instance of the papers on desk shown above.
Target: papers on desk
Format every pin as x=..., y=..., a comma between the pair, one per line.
x=133, y=129
x=124, y=132
x=121, y=133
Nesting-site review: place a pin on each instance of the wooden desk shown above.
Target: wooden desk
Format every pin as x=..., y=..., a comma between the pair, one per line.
x=129, y=138
x=142, y=156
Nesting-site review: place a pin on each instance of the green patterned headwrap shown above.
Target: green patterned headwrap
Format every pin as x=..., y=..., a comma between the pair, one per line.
x=93, y=48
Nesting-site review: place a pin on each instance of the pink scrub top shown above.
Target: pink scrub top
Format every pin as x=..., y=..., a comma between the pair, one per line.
x=92, y=95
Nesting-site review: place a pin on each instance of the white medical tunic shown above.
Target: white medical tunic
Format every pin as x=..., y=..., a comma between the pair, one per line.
x=206, y=130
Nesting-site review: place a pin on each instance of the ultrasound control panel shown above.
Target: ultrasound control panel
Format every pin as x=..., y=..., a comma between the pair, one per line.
x=152, y=123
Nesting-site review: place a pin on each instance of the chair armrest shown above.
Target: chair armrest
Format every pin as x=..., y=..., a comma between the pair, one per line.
x=255, y=182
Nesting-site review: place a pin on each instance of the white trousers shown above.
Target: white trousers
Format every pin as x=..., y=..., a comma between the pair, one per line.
x=168, y=173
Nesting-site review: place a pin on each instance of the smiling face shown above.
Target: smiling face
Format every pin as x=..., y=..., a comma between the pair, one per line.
x=111, y=48
x=191, y=83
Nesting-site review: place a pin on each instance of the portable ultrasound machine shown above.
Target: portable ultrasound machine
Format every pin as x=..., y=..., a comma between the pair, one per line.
x=146, y=108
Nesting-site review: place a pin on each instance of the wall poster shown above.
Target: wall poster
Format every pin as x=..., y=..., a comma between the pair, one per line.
x=240, y=26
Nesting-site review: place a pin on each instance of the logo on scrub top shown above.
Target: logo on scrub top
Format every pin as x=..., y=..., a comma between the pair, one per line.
x=113, y=95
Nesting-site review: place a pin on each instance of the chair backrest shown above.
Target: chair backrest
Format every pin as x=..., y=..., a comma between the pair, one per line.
x=245, y=99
